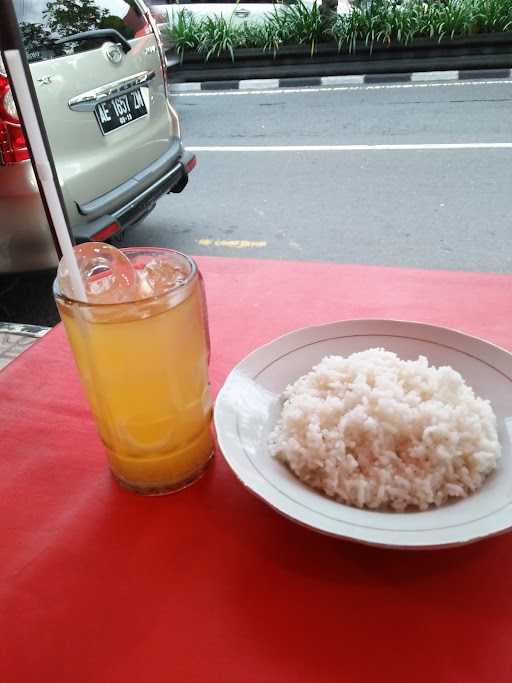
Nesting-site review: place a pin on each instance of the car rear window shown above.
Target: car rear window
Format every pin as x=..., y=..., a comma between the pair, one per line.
x=42, y=22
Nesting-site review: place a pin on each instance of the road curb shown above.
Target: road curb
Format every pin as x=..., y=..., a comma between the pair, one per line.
x=275, y=83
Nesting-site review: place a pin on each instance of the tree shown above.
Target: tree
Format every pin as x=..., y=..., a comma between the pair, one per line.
x=66, y=17
x=36, y=39
x=119, y=25
x=73, y=16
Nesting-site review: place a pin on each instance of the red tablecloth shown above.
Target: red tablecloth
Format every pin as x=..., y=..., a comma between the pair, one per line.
x=100, y=585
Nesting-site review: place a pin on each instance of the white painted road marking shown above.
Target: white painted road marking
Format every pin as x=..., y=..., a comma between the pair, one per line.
x=341, y=88
x=353, y=148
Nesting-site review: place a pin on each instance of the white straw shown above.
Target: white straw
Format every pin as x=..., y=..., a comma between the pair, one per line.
x=40, y=159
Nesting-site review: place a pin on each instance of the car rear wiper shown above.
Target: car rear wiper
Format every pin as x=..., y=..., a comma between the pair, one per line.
x=95, y=35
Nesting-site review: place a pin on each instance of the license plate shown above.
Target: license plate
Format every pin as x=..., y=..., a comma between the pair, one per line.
x=120, y=110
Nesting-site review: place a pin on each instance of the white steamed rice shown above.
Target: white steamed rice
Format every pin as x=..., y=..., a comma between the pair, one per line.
x=375, y=431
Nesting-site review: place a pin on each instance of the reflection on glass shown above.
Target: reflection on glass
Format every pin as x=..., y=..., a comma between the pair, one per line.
x=43, y=22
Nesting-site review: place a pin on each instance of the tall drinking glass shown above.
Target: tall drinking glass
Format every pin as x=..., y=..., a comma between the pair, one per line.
x=143, y=361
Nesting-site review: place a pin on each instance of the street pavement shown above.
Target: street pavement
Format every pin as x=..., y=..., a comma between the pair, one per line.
x=410, y=175
x=316, y=185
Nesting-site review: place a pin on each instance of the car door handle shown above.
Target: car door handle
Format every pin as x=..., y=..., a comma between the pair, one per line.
x=241, y=13
x=97, y=35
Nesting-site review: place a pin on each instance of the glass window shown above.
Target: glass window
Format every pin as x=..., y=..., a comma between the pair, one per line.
x=42, y=22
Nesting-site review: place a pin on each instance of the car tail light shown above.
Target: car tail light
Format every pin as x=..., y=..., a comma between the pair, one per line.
x=191, y=164
x=13, y=145
x=106, y=232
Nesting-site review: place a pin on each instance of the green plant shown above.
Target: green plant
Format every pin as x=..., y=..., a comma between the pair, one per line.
x=278, y=30
x=494, y=15
x=184, y=31
x=370, y=22
x=380, y=22
x=302, y=24
x=266, y=36
x=218, y=36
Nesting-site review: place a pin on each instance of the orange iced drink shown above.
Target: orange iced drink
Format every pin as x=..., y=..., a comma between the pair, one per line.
x=144, y=363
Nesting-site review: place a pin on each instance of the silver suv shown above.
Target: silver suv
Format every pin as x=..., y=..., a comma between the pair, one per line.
x=100, y=76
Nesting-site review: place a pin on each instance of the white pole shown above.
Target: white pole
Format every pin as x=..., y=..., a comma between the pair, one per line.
x=40, y=160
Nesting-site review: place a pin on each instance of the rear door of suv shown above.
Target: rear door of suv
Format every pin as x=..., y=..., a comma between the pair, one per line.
x=100, y=82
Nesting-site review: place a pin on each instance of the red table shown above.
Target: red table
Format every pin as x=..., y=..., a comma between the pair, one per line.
x=100, y=585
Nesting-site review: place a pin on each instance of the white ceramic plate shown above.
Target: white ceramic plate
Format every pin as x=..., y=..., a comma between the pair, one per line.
x=248, y=405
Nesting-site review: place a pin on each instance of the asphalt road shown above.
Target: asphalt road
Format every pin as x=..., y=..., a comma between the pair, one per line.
x=429, y=208
x=380, y=174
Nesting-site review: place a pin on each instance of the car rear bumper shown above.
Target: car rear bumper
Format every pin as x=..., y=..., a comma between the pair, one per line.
x=25, y=239
x=133, y=187
x=134, y=210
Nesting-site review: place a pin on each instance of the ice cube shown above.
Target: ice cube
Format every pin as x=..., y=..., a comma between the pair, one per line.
x=144, y=285
x=107, y=274
x=159, y=275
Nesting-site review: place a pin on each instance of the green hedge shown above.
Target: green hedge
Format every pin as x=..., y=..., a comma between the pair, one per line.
x=376, y=22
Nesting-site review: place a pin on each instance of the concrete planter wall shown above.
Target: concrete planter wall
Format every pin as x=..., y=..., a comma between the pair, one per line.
x=485, y=51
